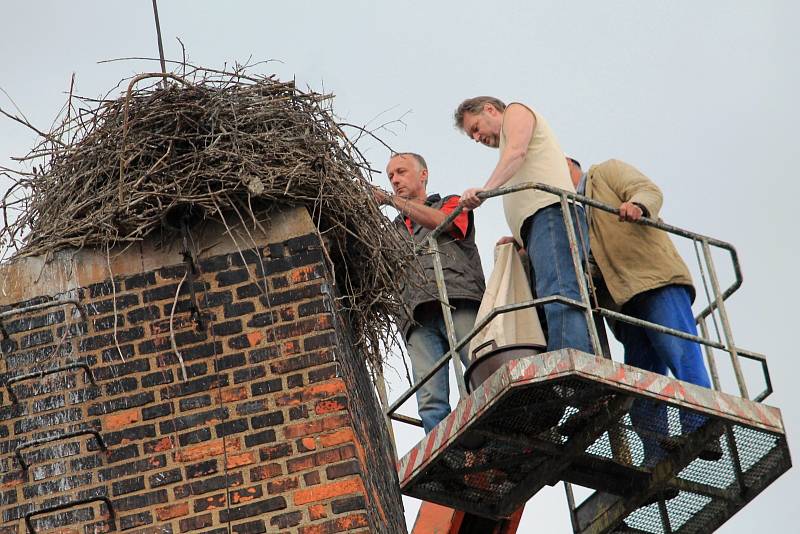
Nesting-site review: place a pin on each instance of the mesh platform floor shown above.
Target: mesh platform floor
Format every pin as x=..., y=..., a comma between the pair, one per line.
x=633, y=436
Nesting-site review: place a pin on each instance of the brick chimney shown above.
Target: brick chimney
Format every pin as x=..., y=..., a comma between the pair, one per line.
x=275, y=426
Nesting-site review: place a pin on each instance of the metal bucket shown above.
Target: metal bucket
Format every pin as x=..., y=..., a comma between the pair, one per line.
x=483, y=367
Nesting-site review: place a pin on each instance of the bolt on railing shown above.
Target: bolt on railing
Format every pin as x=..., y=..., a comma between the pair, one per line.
x=717, y=305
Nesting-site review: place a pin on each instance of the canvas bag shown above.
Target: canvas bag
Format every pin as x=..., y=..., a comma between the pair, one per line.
x=508, y=284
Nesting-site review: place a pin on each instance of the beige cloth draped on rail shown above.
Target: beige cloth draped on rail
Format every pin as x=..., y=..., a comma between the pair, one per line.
x=508, y=284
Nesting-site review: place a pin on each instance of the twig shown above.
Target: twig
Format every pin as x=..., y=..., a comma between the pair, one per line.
x=172, y=331
x=32, y=127
x=113, y=300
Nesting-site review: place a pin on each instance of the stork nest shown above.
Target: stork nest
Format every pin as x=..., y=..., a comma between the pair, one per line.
x=228, y=143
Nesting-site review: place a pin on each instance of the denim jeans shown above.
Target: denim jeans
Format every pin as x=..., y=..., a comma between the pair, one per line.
x=426, y=343
x=549, y=252
x=657, y=352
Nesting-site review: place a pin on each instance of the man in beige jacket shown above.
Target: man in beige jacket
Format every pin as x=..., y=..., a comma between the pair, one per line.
x=647, y=279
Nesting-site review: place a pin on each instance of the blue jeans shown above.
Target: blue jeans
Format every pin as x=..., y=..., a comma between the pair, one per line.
x=426, y=343
x=548, y=250
x=657, y=352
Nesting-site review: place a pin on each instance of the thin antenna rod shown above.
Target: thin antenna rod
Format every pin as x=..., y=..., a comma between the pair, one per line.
x=160, y=45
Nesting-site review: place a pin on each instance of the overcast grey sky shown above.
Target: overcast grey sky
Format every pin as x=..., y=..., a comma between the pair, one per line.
x=698, y=95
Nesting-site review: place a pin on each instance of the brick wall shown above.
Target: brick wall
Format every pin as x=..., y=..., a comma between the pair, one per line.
x=275, y=426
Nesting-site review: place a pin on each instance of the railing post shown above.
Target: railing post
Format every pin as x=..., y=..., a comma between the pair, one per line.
x=581, y=276
x=664, y=514
x=447, y=315
x=723, y=315
x=712, y=362
x=571, y=503
x=380, y=386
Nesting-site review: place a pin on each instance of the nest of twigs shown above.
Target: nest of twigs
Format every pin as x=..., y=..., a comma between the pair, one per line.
x=228, y=143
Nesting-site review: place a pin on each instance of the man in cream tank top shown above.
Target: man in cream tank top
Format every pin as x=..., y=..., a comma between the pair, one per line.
x=529, y=152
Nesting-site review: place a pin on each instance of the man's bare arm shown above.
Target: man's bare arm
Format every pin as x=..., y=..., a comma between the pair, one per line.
x=519, y=123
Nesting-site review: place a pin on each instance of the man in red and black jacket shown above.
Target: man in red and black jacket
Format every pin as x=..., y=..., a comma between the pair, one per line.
x=425, y=333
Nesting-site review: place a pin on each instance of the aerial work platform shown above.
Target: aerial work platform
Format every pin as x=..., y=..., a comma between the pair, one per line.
x=566, y=415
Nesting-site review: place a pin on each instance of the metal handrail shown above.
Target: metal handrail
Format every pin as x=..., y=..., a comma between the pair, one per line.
x=480, y=325
x=645, y=221
x=717, y=305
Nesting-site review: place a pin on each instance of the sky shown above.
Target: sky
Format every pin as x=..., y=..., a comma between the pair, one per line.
x=697, y=95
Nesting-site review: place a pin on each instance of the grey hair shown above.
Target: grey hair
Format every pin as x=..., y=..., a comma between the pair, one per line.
x=420, y=160
x=475, y=105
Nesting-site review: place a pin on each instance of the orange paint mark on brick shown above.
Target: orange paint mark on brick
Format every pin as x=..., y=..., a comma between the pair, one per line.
x=319, y=391
x=325, y=389
x=360, y=454
x=337, y=525
x=206, y=450
x=352, y=521
x=249, y=494
x=10, y=483
x=172, y=511
x=315, y=427
x=377, y=498
x=324, y=322
x=283, y=485
x=266, y=471
x=329, y=406
x=238, y=460
x=164, y=444
x=255, y=338
x=337, y=438
x=233, y=394
x=119, y=420
x=303, y=274
x=216, y=501
x=309, y=443
x=317, y=511
x=328, y=491
x=287, y=313
x=301, y=464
